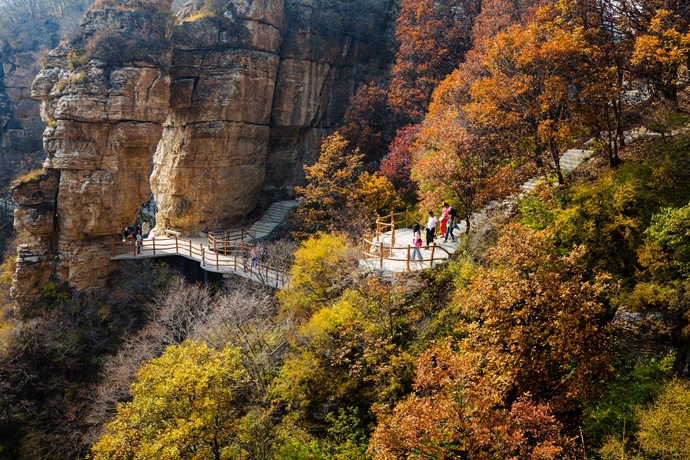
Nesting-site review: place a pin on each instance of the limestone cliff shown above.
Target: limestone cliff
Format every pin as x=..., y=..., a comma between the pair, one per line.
x=212, y=115
x=252, y=95
x=103, y=122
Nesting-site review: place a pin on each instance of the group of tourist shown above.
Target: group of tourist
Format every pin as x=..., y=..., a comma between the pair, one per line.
x=137, y=233
x=434, y=226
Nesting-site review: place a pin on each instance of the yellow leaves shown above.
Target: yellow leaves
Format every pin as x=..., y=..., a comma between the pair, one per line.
x=184, y=404
x=663, y=49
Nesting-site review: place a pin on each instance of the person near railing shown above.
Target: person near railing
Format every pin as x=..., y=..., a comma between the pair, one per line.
x=255, y=256
x=140, y=241
x=416, y=242
x=431, y=226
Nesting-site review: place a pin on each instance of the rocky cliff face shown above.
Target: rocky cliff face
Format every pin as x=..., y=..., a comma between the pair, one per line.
x=103, y=122
x=20, y=123
x=252, y=95
x=212, y=115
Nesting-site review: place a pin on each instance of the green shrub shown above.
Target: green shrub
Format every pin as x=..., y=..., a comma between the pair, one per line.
x=613, y=414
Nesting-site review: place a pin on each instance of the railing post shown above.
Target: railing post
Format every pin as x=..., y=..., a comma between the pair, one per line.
x=408, y=257
x=177, y=248
x=190, y=248
x=203, y=257
x=135, y=247
x=381, y=256
x=113, y=247
x=153, y=241
x=433, y=248
x=217, y=260
x=392, y=230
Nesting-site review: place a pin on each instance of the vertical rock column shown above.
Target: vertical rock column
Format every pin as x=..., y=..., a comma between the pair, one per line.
x=209, y=166
x=104, y=119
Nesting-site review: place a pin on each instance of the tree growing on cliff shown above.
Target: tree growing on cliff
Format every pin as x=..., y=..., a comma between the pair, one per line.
x=397, y=164
x=450, y=415
x=536, y=322
x=339, y=196
x=528, y=95
x=453, y=165
x=366, y=123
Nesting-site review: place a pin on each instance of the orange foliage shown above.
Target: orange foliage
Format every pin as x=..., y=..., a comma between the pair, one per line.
x=453, y=414
x=453, y=165
x=536, y=322
x=434, y=37
x=526, y=102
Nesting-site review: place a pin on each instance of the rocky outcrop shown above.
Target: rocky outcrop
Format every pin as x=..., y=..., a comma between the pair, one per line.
x=103, y=123
x=209, y=166
x=644, y=334
x=35, y=220
x=253, y=93
x=213, y=119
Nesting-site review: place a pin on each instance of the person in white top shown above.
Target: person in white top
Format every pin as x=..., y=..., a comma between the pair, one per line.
x=431, y=227
x=145, y=228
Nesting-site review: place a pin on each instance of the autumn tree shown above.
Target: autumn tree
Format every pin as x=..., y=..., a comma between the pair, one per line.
x=536, y=322
x=396, y=166
x=366, y=124
x=453, y=166
x=187, y=404
x=339, y=196
x=324, y=266
x=525, y=101
x=661, y=52
x=664, y=427
x=434, y=37
x=451, y=415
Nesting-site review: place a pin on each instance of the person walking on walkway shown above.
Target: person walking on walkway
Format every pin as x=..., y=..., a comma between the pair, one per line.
x=444, y=218
x=452, y=217
x=431, y=226
x=416, y=242
x=255, y=256
x=140, y=241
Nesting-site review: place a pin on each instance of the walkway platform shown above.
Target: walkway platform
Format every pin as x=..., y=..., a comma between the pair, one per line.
x=232, y=260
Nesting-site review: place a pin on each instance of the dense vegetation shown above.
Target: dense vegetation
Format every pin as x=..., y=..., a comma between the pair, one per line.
x=559, y=331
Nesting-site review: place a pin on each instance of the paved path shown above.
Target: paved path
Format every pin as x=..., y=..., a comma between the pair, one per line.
x=237, y=262
x=395, y=259
x=196, y=249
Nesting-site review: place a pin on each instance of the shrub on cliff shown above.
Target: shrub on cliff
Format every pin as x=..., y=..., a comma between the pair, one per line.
x=124, y=32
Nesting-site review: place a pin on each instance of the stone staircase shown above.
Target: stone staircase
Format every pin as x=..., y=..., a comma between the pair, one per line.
x=273, y=216
x=570, y=160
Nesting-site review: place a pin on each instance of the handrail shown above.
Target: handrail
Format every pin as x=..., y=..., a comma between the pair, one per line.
x=382, y=249
x=382, y=224
x=236, y=257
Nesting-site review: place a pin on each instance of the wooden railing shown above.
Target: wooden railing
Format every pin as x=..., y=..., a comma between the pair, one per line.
x=218, y=241
x=235, y=257
x=375, y=249
x=390, y=222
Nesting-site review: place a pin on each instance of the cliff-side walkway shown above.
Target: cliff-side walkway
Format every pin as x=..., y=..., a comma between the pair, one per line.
x=391, y=248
